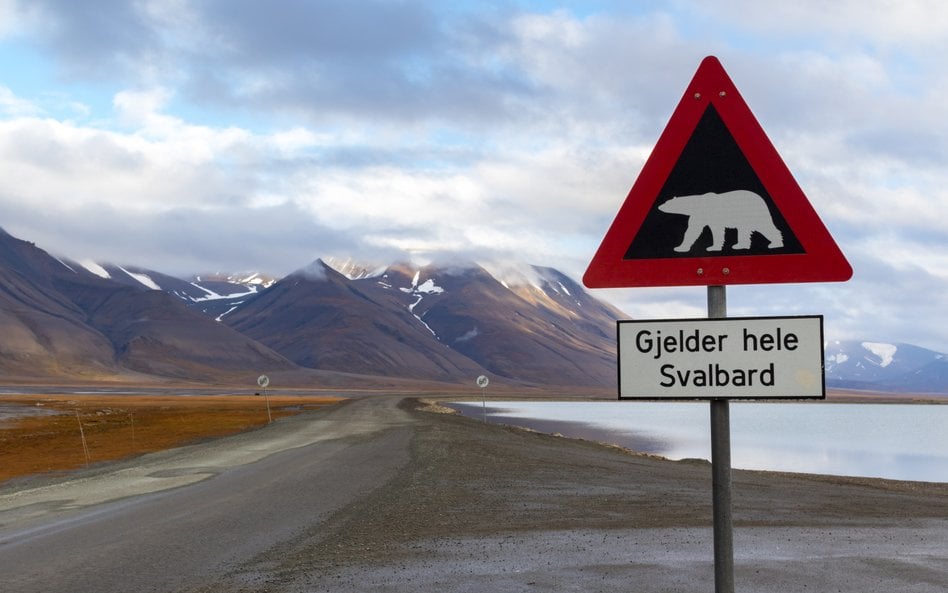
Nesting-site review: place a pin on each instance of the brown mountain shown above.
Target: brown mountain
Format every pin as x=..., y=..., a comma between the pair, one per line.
x=443, y=324
x=536, y=326
x=448, y=323
x=43, y=331
x=60, y=320
x=320, y=319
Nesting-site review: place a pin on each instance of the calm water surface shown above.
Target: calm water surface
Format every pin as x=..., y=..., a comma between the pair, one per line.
x=903, y=442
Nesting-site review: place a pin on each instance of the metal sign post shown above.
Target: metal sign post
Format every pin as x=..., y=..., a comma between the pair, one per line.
x=721, y=469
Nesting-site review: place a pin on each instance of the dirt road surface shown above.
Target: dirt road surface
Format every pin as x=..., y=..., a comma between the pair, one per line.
x=375, y=495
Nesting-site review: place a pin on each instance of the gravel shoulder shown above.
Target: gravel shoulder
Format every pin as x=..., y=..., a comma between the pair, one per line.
x=491, y=508
x=381, y=494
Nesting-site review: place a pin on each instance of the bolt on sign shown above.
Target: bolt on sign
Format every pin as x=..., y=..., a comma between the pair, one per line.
x=734, y=357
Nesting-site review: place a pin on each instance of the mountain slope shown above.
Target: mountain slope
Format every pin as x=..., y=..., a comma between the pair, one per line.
x=43, y=331
x=154, y=333
x=887, y=367
x=65, y=319
x=520, y=325
x=319, y=319
x=448, y=323
x=531, y=334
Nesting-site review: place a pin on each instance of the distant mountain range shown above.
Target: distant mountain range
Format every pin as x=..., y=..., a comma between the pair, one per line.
x=880, y=366
x=394, y=325
x=343, y=323
x=63, y=320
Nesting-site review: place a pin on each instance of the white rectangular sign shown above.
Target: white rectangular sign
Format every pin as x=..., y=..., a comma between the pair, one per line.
x=731, y=358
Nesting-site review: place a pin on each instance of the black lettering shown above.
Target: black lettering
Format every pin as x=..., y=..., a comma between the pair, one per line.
x=644, y=342
x=683, y=377
x=739, y=378
x=691, y=342
x=669, y=378
x=767, y=376
x=750, y=377
x=701, y=377
x=790, y=341
x=750, y=341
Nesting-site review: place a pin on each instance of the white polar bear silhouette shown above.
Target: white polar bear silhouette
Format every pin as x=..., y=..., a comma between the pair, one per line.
x=739, y=209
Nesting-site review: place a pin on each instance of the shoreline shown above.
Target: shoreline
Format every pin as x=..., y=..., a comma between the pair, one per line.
x=57, y=402
x=760, y=442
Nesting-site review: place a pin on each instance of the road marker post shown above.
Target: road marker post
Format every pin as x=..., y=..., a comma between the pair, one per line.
x=483, y=382
x=82, y=435
x=264, y=381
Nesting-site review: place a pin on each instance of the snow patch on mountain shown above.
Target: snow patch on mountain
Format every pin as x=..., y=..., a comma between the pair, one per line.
x=68, y=267
x=214, y=296
x=885, y=352
x=429, y=287
x=144, y=279
x=242, y=278
x=427, y=327
x=220, y=317
x=426, y=287
x=95, y=268
x=885, y=366
x=420, y=291
x=838, y=358
x=253, y=279
x=354, y=269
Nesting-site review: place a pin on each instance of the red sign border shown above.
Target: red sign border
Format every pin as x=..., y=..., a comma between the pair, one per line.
x=822, y=261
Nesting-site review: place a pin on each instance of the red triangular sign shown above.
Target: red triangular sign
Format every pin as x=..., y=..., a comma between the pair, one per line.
x=714, y=205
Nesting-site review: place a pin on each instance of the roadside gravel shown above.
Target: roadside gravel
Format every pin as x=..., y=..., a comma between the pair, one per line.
x=492, y=508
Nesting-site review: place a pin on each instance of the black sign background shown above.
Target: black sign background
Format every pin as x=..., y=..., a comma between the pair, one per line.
x=710, y=162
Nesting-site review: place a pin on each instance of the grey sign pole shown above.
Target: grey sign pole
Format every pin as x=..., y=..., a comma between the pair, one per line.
x=721, y=469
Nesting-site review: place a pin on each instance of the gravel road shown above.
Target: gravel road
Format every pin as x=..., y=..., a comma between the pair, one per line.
x=375, y=495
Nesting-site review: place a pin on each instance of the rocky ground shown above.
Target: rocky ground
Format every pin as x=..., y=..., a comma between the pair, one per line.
x=491, y=508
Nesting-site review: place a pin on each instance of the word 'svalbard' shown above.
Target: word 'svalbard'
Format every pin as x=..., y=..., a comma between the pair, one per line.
x=755, y=357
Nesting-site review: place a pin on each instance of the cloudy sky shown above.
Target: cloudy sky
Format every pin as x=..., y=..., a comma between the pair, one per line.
x=191, y=136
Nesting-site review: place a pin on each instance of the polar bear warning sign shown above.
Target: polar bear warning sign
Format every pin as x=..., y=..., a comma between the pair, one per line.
x=715, y=204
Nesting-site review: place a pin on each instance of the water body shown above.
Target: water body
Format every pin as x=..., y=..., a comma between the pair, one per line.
x=901, y=442
x=9, y=412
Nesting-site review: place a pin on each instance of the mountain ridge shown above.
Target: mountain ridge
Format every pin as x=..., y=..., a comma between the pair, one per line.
x=102, y=321
x=347, y=322
x=883, y=366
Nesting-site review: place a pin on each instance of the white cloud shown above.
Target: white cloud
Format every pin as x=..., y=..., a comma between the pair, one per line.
x=9, y=17
x=13, y=106
x=504, y=133
x=915, y=23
